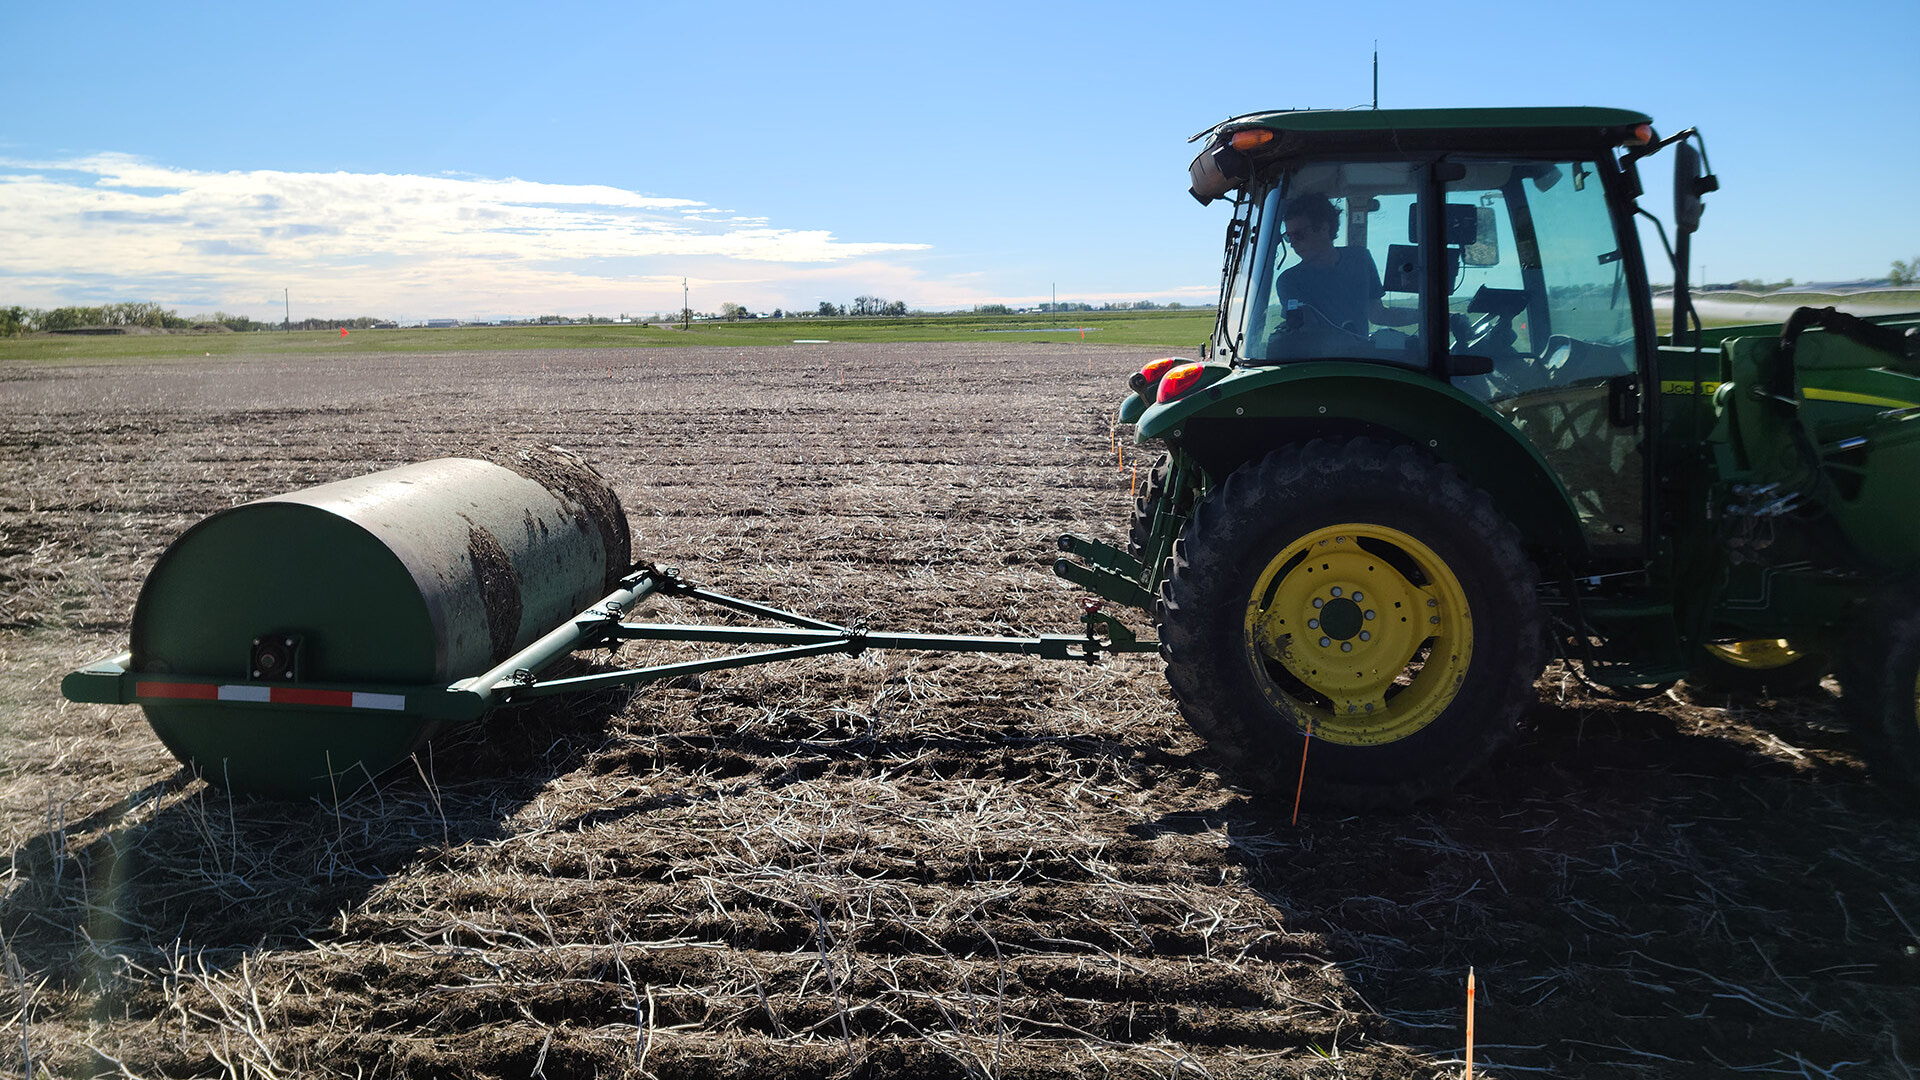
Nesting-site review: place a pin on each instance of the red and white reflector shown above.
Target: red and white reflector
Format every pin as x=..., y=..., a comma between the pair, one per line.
x=271, y=695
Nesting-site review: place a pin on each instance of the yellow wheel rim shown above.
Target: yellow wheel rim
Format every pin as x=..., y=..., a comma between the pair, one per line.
x=1360, y=632
x=1763, y=654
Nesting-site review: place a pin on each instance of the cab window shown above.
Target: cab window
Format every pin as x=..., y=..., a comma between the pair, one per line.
x=1539, y=289
x=1336, y=272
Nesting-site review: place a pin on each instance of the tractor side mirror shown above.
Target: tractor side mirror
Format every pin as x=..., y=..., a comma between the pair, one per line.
x=1690, y=182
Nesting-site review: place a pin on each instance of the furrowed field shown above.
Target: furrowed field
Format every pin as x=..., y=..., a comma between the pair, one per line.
x=891, y=865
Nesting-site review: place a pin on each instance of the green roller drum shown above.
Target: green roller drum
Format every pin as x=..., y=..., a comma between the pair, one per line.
x=303, y=644
x=294, y=645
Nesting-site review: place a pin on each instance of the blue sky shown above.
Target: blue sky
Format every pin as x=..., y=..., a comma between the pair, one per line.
x=485, y=160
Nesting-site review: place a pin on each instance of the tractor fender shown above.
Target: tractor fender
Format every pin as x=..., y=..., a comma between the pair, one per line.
x=1252, y=410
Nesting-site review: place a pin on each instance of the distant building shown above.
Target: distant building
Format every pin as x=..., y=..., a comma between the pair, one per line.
x=438, y=324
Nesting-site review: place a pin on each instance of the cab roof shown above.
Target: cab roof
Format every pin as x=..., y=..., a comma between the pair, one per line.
x=1503, y=129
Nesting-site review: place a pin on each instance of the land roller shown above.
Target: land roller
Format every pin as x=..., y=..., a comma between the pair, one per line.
x=1435, y=440
x=303, y=644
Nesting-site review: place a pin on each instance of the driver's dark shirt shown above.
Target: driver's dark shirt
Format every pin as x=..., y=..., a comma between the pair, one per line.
x=1343, y=293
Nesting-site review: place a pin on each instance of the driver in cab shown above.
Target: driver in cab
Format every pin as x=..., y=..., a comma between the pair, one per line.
x=1331, y=286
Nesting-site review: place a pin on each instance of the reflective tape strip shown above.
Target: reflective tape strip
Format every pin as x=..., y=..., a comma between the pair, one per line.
x=390, y=702
x=184, y=691
x=271, y=695
x=294, y=695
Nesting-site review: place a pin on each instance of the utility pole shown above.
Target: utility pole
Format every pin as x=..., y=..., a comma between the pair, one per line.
x=1056, y=307
x=686, y=311
x=286, y=297
x=1376, y=74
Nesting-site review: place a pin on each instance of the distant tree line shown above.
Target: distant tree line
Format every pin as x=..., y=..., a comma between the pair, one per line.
x=1905, y=273
x=364, y=322
x=1752, y=285
x=862, y=305
x=1112, y=305
x=17, y=320
x=588, y=319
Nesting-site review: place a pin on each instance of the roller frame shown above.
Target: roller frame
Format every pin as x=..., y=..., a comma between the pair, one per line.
x=109, y=680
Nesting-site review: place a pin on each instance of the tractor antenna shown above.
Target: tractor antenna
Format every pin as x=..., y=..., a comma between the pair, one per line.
x=1376, y=74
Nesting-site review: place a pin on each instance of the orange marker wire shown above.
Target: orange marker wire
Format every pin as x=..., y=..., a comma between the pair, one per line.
x=1302, y=786
x=1469, y=1075
x=1133, y=481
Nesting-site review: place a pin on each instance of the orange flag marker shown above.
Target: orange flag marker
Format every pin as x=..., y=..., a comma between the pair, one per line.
x=1469, y=1075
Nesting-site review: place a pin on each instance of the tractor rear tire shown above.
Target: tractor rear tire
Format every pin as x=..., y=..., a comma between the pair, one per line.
x=1764, y=665
x=1363, y=593
x=1880, y=695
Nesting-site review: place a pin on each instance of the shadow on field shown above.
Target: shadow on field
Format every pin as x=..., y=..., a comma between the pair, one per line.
x=1686, y=886
x=180, y=869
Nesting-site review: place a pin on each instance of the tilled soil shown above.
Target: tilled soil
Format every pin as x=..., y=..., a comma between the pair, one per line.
x=890, y=865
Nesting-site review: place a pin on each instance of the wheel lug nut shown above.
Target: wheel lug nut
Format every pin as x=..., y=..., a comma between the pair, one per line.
x=1346, y=646
x=1336, y=590
x=1324, y=642
x=1317, y=602
x=1434, y=619
x=1369, y=613
x=1313, y=624
x=1366, y=635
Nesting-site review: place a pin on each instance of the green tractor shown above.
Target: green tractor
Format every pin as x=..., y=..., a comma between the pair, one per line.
x=1437, y=440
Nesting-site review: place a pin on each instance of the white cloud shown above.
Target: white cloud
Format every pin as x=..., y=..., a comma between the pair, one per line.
x=114, y=227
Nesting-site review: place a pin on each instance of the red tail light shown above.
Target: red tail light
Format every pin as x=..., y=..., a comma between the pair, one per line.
x=1157, y=368
x=1178, y=381
x=1144, y=380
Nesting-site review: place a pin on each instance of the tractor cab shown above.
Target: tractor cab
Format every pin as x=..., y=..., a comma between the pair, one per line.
x=1490, y=250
